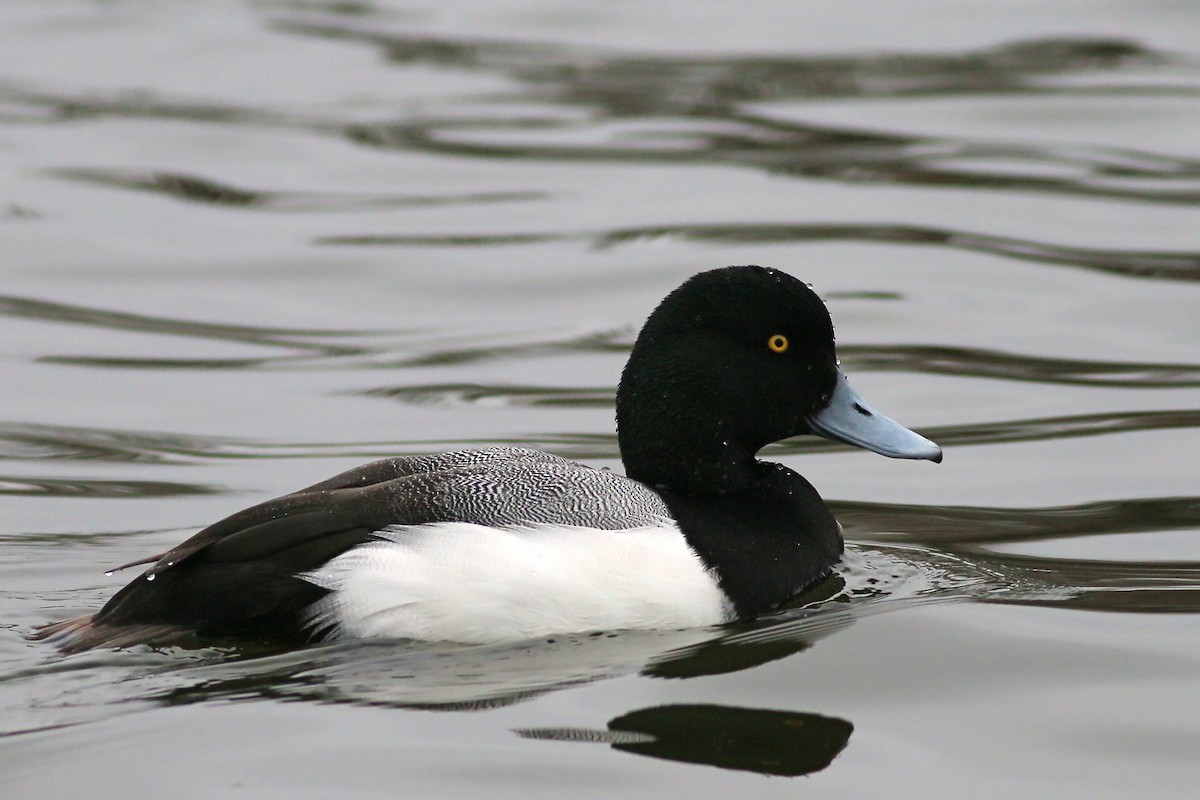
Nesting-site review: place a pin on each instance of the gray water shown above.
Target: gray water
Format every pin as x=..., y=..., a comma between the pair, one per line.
x=245, y=245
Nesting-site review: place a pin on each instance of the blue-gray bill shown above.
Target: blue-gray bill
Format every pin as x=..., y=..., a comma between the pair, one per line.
x=848, y=418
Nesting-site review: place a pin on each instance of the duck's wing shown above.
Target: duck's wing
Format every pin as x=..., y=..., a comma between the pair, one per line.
x=237, y=577
x=314, y=524
x=506, y=487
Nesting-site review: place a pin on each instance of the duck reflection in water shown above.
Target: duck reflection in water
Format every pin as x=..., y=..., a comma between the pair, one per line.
x=772, y=742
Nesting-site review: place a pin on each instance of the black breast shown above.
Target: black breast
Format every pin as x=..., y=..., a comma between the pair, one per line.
x=766, y=543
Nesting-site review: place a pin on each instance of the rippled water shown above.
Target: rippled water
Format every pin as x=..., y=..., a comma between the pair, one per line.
x=246, y=245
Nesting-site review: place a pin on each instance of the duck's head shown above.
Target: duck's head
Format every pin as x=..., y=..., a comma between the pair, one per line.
x=732, y=360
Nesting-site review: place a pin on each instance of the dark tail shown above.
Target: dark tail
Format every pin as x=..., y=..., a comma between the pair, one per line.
x=84, y=633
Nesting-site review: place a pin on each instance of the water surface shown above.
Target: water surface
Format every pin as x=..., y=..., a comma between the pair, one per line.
x=245, y=245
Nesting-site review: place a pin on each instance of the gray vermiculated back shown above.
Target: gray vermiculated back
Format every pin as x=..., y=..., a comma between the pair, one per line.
x=516, y=486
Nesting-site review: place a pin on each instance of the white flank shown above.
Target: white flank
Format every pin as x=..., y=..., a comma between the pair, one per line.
x=460, y=582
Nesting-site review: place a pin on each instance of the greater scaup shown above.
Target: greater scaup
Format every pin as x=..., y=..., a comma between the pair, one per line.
x=504, y=544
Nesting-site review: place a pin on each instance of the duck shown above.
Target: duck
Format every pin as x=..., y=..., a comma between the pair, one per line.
x=505, y=544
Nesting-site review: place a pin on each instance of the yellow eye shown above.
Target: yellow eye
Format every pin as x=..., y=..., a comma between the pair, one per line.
x=778, y=343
